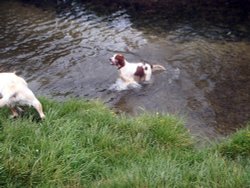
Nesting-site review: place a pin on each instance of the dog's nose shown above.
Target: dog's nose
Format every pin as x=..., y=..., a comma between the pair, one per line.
x=111, y=62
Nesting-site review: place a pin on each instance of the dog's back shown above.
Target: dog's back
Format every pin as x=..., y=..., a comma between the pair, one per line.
x=10, y=82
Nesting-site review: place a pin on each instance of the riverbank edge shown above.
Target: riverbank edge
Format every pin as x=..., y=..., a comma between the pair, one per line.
x=83, y=143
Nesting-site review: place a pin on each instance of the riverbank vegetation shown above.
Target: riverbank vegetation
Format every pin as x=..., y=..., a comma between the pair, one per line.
x=84, y=144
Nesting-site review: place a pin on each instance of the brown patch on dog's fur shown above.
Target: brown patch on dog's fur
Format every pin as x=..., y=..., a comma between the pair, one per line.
x=139, y=71
x=139, y=74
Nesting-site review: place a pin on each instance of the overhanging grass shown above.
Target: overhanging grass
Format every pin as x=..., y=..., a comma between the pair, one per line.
x=84, y=144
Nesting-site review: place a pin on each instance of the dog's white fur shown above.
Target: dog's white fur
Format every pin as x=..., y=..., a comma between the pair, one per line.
x=14, y=91
x=134, y=73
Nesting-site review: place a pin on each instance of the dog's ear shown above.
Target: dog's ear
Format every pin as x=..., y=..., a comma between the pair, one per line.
x=120, y=60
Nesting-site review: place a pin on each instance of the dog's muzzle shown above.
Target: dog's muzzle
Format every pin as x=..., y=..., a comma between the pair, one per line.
x=112, y=62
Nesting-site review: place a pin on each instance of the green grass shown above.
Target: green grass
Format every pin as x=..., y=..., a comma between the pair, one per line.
x=84, y=144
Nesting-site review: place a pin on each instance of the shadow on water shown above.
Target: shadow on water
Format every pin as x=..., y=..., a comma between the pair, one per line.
x=63, y=52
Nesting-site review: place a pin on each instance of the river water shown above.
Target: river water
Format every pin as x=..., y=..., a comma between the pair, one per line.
x=63, y=52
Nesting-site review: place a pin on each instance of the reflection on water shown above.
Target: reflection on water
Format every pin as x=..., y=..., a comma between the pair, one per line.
x=64, y=53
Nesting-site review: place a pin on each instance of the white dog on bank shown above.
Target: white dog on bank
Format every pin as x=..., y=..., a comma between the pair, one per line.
x=14, y=91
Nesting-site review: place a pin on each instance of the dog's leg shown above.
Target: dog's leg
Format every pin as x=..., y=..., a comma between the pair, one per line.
x=4, y=101
x=127, y=80
x=14, y=112
x=147, y=78
x=130, y=83
x=37, y=105
x=28, y=97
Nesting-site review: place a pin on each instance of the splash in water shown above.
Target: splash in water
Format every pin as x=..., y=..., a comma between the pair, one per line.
x=120, y=85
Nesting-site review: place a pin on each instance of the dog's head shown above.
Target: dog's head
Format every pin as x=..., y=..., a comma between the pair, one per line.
x=117, y=60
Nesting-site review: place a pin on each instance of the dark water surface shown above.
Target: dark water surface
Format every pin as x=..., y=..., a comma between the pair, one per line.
x=64, y=52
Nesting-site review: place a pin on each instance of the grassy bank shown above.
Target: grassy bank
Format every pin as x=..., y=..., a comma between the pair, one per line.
x=83, y=144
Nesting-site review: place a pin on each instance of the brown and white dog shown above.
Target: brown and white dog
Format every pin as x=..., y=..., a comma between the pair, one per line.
x=131, y=73
x=14, y=91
